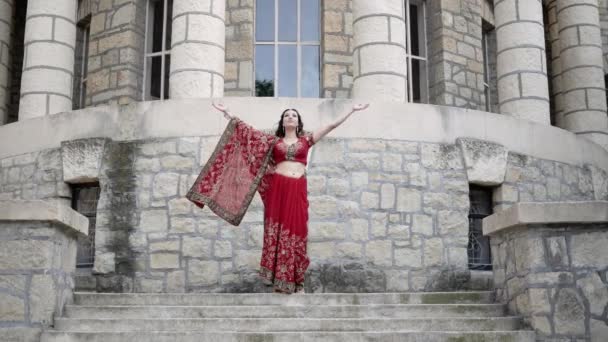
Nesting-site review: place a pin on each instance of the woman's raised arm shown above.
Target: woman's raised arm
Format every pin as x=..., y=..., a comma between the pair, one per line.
x=322, y=131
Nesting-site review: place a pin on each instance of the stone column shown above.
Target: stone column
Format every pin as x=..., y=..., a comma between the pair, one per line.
x=583, y=87
x=379, y=53
x=555, y=63
x=48, y=65
x=6, y=18
x=197, y=49
x=523, y=88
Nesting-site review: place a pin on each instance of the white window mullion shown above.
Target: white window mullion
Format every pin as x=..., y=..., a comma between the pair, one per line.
x=276, y=49
x=409, y=51
x=163, y=55
x=298, y=51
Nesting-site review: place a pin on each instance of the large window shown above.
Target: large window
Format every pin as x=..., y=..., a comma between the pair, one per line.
x=158, y=49
x=81, y=60
x=415, y=14
x=287, y=49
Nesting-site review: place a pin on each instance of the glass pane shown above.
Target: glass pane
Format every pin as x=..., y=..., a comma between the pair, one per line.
x=288, y=20
x=154, y=76
x=288, y=70
x=414, y=36
x=264, y=20
x=156, y=24
x=167, y=70
x=418, y=81
x=310, y=71
x=264, y=70
x=169, y=20
x=310, y=22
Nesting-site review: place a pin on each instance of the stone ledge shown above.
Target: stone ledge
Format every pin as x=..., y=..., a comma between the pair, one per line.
x=37, y=210
x=524, y=213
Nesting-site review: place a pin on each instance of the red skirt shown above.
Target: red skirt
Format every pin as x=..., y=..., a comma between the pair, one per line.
x=284, y=259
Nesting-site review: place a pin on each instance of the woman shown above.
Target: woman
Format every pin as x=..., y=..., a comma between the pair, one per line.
x=247, y=160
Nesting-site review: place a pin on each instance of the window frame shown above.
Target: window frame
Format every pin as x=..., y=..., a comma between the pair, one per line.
x=92, y=216
x=487, y=90
x=163, y=53
x=276, y=43
x=422, y=42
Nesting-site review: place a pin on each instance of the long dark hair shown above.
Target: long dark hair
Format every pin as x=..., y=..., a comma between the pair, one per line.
x=280, y=132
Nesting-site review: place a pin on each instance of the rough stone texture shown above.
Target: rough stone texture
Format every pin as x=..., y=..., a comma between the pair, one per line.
x=485, y=162
x=37, y=265
x=48, y=67
x=337, y=51
x=535, y=180
x=238, y=74
x=82, y=160
x=603, y=8
x=116, y=48
x=557, y=287
x=455, y=55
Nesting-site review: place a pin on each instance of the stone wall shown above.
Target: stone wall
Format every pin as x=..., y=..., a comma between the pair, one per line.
x=36, y=175
x=455, y=55
x=116, y=47
x=37, y=262
x=530, y=179
x=555, y=274
x=337, y=48
x=238, y=74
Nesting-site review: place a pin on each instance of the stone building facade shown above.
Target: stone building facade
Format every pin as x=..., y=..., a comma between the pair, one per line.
x=505, y=97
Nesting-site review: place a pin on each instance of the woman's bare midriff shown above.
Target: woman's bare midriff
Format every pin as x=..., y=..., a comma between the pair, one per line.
x=290, y=169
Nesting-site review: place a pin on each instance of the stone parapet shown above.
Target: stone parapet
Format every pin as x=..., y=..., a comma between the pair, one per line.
x=37, y=262
x=550, y=265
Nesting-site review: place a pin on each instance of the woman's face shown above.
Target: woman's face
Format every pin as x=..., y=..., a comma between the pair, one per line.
x=290, y=118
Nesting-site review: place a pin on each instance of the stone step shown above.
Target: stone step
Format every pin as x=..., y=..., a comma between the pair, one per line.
x=292, y=324
x=275, y=311
x=205, y=299
x=197, y=336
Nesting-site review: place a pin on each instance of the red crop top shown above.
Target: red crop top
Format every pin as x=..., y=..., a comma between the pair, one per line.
x=297, y=151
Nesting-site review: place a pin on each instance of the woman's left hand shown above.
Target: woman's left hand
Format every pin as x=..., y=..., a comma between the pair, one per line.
x=360, y=106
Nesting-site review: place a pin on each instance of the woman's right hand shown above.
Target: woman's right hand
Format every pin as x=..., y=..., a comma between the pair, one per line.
x=222, y=109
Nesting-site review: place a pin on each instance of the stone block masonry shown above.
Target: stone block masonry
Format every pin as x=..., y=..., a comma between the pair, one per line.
x=116, y=47
x=37, y=262
x=455, y=54
x=239, y=48
x=337, y=57
x=551, y=272
x=48, y=64
x=197, y=49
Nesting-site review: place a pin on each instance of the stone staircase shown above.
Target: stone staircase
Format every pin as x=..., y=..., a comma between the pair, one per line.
x=259, y=317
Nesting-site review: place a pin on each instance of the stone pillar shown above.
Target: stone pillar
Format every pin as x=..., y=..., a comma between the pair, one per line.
x=555, y=63
x=379, y=53
x=6, y=18
x=583, y=88
x=523, y=88
x=48, y=65
x=37, y=265
x=197, y=49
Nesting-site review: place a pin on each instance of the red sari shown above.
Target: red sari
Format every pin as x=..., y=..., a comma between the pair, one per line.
x=243, y=163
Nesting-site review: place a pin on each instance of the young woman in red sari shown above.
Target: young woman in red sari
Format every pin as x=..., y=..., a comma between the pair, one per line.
x=248, y=160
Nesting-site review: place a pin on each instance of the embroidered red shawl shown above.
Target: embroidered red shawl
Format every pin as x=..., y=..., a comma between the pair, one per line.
x=234, y=172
